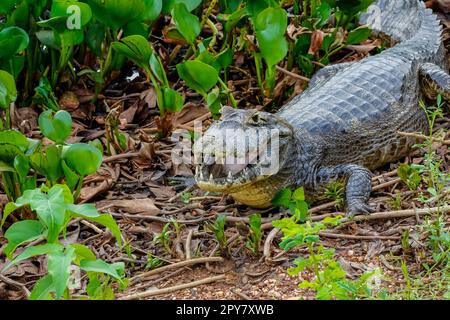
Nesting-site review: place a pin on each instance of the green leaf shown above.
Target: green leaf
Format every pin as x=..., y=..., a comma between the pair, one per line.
x=358, y=35
x=118, y=13
x=83, y=158
x=71, y=177
x=42, y=289
x=69, y=8
x=8, y=91
x=15, y=138
x=6, y=6
x=190, y=4
x=187, y=24
x=173, y=101
x=20, y=233
x=57, y=127
x=94, y=37
x=115, y=270
x=22, y=166
x=270, y=27
x=86, y=210
x=48, y=163
x=283, y=198
x=108, y=221
x=82, y=252
x=198, y=75
x=59, y=269
x=299, y=194
x=136, y=48
x=12, y=41
x=158, y=69
x=34, y=251
x=50, y=208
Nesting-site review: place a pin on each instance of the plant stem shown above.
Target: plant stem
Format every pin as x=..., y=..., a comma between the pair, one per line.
x=229, y=93
x=78, y=190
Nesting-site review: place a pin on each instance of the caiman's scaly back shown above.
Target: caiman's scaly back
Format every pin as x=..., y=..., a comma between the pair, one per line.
x=347, y=121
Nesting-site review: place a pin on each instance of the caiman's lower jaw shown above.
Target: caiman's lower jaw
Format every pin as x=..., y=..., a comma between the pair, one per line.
x=226, y=179
x=248, y=186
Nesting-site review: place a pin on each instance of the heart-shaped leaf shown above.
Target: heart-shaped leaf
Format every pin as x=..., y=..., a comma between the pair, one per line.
x=198, y=75
x=83, y=158
x=8, y=91
x=270, y=25
x=187, y=23
x=57, y=127
x=115, y=270
x=12, y=40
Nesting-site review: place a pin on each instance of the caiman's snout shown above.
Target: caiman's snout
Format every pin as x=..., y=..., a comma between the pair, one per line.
x=238, y=154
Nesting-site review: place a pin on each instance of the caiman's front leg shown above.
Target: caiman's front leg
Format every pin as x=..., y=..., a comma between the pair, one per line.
x=358, y=188
x=435, y=81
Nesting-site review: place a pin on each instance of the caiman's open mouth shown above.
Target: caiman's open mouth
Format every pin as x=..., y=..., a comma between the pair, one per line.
x=228, y=178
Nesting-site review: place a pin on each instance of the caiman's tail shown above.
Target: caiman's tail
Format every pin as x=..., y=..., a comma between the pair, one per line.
x=403, y=20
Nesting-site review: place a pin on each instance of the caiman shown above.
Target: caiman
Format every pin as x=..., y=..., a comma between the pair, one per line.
x=345, y=124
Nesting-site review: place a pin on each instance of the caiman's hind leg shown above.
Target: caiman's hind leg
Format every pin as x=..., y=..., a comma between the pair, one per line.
x=359, y=186
x=435, y=81
x=327, y=72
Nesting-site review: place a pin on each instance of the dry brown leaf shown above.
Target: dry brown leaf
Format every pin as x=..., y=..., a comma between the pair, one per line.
x=189, y=113
x=316, y=41
x=141, y=206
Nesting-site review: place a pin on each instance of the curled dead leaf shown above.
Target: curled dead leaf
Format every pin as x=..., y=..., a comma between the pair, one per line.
x=316, y=41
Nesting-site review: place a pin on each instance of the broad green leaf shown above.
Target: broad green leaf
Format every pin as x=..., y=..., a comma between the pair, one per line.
x=118, y=13
x=42, y=289
x=270, y=27
x=198, y=75
x=22, y=166
x=190, y=4
x=283, y=198
x=299, y=194
x=59, y=269
x=8, y=91
x=152, y=9
x=136, y=48
x=82, y=252
x=187, y=24
x=4, y=167
x=173, y=101
x=358, y=35
x=255, y=7
x=83, y=158
x=71, y=177
x=51, y=209
x=108, y=221
x=12, y=41
x=44, y=93
x=20, y=233
x=15, y=138
x=86, y=210
x=79, y=13
x=48, y=163
x=6, y=6
x=57, y=127
x=34, y=251
x=115, y=270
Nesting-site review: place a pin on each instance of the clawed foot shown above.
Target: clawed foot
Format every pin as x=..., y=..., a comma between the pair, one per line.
x=181, y=183
x=359, y=208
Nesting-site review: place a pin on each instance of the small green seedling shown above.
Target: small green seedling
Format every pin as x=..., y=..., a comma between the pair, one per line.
x=255, y=233
x=294, y=202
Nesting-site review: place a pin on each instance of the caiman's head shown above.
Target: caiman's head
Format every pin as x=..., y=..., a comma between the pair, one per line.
x=248, y=154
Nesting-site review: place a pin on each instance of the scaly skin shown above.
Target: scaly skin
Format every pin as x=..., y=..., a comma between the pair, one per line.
x=347, y=122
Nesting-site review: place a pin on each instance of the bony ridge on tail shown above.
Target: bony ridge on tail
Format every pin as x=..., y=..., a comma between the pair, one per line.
x=344, y=125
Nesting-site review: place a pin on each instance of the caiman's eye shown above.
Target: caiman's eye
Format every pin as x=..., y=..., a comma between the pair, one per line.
x=257, y=119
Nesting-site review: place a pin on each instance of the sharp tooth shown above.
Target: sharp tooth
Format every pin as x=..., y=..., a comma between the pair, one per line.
x=201, y=175
x=230, y=176
x=196, y=171
x=211, y=178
